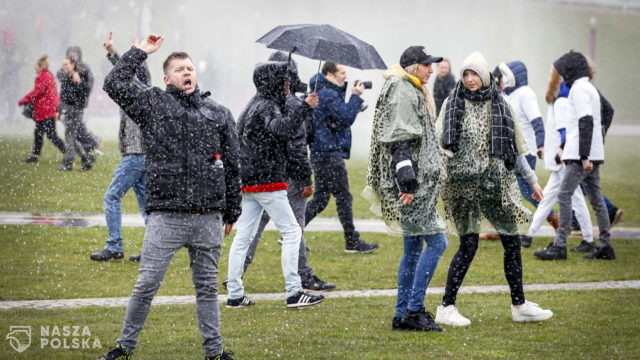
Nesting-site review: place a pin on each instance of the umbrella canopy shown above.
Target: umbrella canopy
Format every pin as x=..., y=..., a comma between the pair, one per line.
x=323, y=42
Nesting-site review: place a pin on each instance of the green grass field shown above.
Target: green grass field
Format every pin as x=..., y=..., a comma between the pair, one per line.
x=40, y=188
x=46, y=262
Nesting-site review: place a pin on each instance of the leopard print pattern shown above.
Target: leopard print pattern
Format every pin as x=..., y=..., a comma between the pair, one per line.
x=479, y=185
x=421, y=217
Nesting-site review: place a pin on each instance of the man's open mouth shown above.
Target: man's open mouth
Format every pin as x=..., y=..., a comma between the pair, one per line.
x=187, y=82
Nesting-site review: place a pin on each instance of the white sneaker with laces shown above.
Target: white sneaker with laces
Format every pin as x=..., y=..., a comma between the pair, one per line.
x=530, y=311
x=449, y=315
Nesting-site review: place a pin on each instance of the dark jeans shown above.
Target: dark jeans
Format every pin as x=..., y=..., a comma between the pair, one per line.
x=331, y=179
x=46, y=127
x=462, y=260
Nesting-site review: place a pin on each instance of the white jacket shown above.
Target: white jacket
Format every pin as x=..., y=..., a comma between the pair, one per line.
x=525, y=103
x=557, y=116
x=584, y=100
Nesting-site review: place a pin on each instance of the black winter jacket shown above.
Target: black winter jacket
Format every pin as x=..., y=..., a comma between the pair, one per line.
x=181, y=133
x=298, y=166
x=76, y=94
x=266, y=127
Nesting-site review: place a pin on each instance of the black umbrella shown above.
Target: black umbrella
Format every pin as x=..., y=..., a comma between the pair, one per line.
x=323, y=42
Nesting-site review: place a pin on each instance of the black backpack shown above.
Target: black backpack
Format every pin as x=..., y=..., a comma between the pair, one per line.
x=27, y=111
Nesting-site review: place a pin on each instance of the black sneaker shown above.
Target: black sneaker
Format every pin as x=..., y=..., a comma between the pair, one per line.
x=525, y=241
x=396, y=324
x=584, y=247
x=552, y=252
x=135, y=258
x=106, y=255
x=116, y=353
x=420, y=320
x=240, y=303
x=315, y=284
x=605, y=252
x=360, y=247
x=86, y=167
x=303, y=299
x=65, y=168
x=226, y=355
x=30, y=159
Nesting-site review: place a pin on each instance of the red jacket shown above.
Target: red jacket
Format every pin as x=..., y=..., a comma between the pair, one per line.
x=44, y=96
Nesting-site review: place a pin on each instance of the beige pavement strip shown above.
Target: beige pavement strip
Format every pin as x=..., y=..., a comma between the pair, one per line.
x=190, y=299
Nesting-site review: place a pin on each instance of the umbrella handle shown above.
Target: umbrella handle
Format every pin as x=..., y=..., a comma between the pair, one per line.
x=315, y=86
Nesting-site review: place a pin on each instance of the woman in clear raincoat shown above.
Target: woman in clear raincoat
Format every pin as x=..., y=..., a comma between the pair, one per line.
x=405, y=173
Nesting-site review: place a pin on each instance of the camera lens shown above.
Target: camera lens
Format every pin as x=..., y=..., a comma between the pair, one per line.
x=367, y=84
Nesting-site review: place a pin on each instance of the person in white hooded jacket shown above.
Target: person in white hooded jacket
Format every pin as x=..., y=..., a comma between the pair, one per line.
x=555, y=137
x=583, y=155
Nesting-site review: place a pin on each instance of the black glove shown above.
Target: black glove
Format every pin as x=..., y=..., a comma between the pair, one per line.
x=406, y=180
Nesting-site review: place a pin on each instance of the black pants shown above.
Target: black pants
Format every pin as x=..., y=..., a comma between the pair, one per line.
x=462, y=260
x=48, y=127
x=331, y=178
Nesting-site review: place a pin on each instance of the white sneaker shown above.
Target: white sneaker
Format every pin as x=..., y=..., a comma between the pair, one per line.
x=530, y=311
x=449, y=315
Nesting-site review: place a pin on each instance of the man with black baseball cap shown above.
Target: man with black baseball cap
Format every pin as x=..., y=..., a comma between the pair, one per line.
x=417, y=55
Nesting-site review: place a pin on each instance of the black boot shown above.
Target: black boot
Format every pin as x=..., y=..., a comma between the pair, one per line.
x=420, y=320
x=525, y=241
x=30, y=159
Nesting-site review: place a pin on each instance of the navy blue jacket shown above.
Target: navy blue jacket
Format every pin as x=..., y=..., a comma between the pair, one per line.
x=332, y=119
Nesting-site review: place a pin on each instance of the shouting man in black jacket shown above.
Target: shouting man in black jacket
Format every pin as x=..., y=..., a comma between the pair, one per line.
x=193, y=186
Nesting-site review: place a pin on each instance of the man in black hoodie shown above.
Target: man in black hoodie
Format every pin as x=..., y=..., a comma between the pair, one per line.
x=265, y=127
x=298, y=171
x=193, y=186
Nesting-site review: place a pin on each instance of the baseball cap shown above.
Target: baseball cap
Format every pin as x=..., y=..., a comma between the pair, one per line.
x=417, y=55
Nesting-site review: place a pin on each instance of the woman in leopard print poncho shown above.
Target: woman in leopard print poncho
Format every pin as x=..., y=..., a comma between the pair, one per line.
x=404, y=176
x=484, y=144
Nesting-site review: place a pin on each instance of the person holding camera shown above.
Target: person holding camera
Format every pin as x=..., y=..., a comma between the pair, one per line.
x=330, y=144
x=44, y=99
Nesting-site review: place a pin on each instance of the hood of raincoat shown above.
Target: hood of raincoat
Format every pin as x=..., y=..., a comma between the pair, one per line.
x=478, y=64
x=296, y=84
x=519, y=71
x=398, y=71
x=268, y=78
x=572, y=66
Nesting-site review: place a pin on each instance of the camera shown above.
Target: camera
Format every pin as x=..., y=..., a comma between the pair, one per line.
x=367, y=84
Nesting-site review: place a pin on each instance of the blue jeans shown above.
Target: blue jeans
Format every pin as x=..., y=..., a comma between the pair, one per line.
x=416, y=270
x=128, y=174
x=525, y=188
x=276, y=204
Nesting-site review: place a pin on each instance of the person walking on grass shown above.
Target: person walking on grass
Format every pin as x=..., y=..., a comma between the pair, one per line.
x=74, y=95
x=129, y=174
x=45, y=100
x=330, y=145
x=481, y=135
x=300, y=187
x=554, y=141
x=265, y=129
x=193, y=186
x=583, y=154
x=403, y=181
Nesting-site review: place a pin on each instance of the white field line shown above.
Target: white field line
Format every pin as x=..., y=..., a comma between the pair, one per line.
x=190, y=299
x=317, y=224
